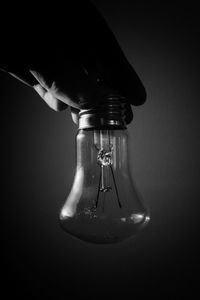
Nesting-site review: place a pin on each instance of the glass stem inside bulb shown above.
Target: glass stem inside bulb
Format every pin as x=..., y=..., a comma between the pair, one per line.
x=105, y=160
x=104, y=173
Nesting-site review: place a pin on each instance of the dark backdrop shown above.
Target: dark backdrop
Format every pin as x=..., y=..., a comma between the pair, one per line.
x=162, y=43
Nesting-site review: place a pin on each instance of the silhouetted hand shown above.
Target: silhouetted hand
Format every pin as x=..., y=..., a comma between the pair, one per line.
x=69, y=55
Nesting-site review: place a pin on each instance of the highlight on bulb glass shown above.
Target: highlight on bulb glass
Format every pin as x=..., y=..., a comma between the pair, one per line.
x=103, y=205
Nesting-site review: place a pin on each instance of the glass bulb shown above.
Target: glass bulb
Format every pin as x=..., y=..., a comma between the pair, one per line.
x=103, y=205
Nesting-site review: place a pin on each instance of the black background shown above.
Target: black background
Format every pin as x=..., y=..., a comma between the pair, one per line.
x=39, y=259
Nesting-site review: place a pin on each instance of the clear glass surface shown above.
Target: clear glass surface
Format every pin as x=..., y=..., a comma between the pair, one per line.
x=103, y=205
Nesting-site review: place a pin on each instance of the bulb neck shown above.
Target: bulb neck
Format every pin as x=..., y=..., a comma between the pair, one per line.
x=108, y=114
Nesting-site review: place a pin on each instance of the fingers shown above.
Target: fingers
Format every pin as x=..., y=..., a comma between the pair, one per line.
x=52, y=90
x=67, y=81
x=51, y=101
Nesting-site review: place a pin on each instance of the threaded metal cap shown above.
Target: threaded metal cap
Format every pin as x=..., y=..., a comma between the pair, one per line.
x=109, y=113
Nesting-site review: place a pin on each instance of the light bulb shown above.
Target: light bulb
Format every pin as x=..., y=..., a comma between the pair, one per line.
x=103, y=205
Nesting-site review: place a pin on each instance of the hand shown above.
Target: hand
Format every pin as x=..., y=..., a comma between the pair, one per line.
x=72, y=57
